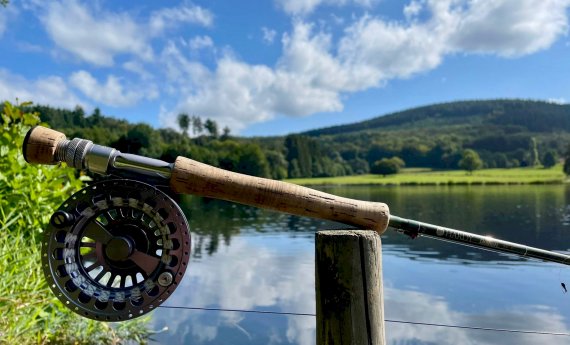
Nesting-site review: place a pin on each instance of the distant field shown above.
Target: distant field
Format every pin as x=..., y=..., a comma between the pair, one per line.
x=415, y=176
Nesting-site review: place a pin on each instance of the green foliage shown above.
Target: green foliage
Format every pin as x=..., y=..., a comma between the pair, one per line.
x=470, y=161
x=388, y=166
x=197, y=126
x=505, y=134
x=533, y=153
x=566, y=167
x=184, y=122
x=212, y=127
x=422, y=176
x=29, y=194
x=550, y=159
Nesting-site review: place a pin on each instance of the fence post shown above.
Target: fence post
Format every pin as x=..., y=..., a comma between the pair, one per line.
x=348, y=277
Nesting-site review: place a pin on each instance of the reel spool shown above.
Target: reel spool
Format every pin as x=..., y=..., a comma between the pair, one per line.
x=116, y=250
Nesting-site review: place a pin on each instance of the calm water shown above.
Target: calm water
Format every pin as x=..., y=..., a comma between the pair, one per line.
x=250, y=259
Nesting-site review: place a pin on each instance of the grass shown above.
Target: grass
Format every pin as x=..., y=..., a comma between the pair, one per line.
x=414, y=176
x=29, y=312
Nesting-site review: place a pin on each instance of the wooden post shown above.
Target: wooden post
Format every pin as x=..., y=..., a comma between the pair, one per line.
x=348, y=276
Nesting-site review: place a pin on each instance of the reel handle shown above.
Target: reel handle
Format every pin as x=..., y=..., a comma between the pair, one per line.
x=192, y=177
x=186, y=176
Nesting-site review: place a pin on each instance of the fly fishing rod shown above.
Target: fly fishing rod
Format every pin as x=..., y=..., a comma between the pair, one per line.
x=117, y=249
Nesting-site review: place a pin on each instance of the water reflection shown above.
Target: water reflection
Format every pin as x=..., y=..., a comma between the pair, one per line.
x=245, y=258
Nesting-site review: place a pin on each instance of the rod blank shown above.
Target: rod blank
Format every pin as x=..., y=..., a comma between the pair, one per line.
x=414, y=228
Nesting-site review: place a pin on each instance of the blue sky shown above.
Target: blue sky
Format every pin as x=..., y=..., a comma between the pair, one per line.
x=280, y=66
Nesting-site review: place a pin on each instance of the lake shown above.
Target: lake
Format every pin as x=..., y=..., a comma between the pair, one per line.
x=249, y=259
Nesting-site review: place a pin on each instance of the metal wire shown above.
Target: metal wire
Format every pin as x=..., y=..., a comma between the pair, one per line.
x=490, y=329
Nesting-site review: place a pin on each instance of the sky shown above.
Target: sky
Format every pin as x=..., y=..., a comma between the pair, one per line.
x=272, y=67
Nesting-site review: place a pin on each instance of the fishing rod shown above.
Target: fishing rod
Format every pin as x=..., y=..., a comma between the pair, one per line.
x=118, y=248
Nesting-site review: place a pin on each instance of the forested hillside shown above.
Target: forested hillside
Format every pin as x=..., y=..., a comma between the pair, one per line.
x=505, y=133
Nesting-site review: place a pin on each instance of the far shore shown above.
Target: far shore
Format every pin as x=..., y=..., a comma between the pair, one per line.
x=420, y=177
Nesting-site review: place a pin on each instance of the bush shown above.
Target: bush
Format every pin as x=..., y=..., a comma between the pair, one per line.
x=388, y=166
x=550, y=159
x=470, y=161
x=31, y=314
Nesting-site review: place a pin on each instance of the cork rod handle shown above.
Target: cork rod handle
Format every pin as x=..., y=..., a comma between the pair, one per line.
x=192, y=177
x=40, y=145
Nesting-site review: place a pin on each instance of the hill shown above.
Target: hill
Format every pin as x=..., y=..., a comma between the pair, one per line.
x=505, y=133
x=521, y=115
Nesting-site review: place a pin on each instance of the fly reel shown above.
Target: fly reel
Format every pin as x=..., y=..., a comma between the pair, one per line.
x=116, y=250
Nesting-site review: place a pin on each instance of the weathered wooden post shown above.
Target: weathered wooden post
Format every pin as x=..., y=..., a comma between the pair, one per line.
x=348, y=276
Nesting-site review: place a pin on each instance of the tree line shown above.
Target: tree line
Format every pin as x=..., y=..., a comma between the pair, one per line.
x=433, y=144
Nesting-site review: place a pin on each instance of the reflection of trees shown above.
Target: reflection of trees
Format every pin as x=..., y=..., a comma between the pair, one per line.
x=530, y=215
x=214, y=221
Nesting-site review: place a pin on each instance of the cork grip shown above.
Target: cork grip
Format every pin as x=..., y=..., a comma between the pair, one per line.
x=192, y=177
x=40, y=145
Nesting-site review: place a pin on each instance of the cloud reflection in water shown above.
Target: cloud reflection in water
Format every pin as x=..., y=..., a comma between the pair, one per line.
x=276, y=272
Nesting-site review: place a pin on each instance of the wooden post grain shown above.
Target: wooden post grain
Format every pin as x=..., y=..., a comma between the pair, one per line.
x=350, y=304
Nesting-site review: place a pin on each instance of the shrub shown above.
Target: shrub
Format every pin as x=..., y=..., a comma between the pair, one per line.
x=31, y=314
x=388, y=166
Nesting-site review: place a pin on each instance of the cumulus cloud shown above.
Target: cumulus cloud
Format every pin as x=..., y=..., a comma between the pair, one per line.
x=304, y=7
x=510, y=28
x=93, y=36
x=51, y=90
x=112, y=92
x=200, y=42
x=268, y=35
x=171, y=17
x=97, y=36
x=315, y=70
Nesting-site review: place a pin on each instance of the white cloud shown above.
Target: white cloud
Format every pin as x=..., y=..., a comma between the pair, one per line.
x=268, y=35
x=306, y=80
x=112, y=92
x=560, y=100
x=200, y=42
x=315, y=71
x=50, y=90
x=138, y=68
x=510, y=28
x=171, y=17
x=94, y=36
x=305, y=7
x=412, y=9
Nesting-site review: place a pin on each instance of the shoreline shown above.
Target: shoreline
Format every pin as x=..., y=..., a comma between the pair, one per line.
x=411, y=177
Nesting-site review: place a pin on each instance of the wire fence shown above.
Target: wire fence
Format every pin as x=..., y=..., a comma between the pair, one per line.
x=416, y=323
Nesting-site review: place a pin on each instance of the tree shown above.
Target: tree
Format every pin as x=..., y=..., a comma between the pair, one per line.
x=550, y=159
x=566, y=167
x=470, y=161
x=533, y=153
x=197, y=126
x=184, y=122
x=226, y=133
x=212, y=128
x=388, y=166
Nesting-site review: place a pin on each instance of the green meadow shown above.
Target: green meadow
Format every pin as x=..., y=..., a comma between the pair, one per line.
x=415, y=176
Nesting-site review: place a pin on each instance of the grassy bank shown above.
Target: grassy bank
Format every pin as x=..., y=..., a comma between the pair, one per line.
x=30, y=312
x=450, y=177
